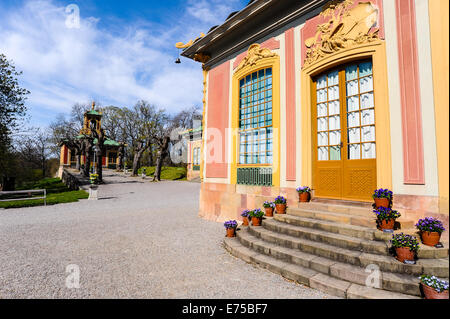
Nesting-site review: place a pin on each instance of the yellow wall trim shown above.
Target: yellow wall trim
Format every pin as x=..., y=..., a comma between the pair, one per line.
x=377, y=52
x=269, y=61
x=439, y=29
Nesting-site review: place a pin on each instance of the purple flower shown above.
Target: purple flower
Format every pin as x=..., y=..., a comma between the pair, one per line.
x=230, y=224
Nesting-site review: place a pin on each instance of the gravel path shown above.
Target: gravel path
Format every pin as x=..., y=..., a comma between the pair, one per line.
x=140, y=240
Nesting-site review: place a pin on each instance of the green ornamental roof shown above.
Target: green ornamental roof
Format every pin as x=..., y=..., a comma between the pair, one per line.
x=94, y=112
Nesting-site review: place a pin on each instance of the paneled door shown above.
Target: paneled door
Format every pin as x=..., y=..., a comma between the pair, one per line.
x=344, y=143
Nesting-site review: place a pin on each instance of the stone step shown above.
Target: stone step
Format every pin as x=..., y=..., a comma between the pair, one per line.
x=437, y=267
x=361, y=210
x=359, y=232
x=308, y=277
x=344, y=218
x=339, y=240
x=353, y=274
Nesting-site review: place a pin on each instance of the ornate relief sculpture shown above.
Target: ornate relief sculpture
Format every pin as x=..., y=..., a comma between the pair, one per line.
x=254, y=54
x=345, y=28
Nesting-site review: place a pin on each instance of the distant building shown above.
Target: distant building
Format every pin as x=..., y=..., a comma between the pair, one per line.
x=193, y=139
x=92, y=118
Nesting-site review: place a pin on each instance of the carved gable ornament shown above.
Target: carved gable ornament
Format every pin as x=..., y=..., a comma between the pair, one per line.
x=348, y=25
x=254, y=54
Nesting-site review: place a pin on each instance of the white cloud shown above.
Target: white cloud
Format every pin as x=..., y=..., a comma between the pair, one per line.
x=62, y=66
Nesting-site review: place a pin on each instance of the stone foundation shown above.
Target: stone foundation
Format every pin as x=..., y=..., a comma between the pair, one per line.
x=220, y=202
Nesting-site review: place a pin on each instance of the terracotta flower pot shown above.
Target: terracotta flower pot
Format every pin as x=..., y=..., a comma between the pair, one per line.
x=245, y=221
x=387, y=224
x=404, y=253
x=382, y=202
x=304, y=197
x=281, y=208
x=431, y=293
x=430, y=238
x=231, y=232
x=256, y=221
x=269, y=211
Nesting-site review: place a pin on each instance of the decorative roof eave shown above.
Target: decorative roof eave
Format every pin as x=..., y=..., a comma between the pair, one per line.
x=231, y=23
x=242, y=17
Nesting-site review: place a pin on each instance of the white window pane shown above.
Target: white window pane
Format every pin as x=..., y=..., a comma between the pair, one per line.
x=334, y=107
x=242, y=159
x=365, y=69
x=353, y=135
x=353, y=119
x=323, y=153
x=368, y=133
x=352, y=88
x=322, y=109
x=368, y=117
x=354, y=152
x=368, y=150
x=351, y=72
x=322, y=124
x=335, y=153
x=322, y=138
x=335, y=137
x=335, y=122
x=322, y=82
x=367, y=100
x=353, y=103
x=333, y=93
x=333, y=78
x=322, y=96
x=366, y=84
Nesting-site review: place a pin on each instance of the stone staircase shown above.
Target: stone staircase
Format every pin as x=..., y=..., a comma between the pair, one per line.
x=335, y=247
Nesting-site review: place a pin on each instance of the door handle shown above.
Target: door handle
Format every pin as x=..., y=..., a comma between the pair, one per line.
x=342, y=144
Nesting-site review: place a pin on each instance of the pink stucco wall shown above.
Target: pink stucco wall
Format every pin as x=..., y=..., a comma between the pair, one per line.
x=217, y=117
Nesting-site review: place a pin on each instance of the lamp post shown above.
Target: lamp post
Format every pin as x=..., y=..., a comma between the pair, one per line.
x=97, y=151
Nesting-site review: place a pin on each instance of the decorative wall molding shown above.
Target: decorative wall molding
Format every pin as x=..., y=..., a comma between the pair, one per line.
x=271, y=44
x=254, y=54
x=348, y=25
x=413, y=154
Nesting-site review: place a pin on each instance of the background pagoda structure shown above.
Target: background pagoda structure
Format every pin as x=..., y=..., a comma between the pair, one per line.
x=92, y=121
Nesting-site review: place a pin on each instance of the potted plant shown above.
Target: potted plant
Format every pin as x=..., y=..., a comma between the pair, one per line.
x=93, y=188
x=382, y=197
x=245, y=217
x=231, y=226
x=93, y=179
x=256, y=215
x=386, y=217
x=304, y=194
x=269, y=207
x=280, y=204
x=406, y=246
x=433, y=287
x=430, y=230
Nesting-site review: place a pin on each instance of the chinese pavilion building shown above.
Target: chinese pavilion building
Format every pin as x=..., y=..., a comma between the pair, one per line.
x=92, y=120
x=342, y=96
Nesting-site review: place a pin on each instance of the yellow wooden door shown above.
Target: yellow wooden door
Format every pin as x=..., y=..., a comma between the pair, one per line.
x=344, y=144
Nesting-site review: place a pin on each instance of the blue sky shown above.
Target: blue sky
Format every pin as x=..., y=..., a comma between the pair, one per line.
x=122, y=51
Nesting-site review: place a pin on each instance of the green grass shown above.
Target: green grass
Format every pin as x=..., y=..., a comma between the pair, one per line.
x=57, y=193
x=167, y=173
